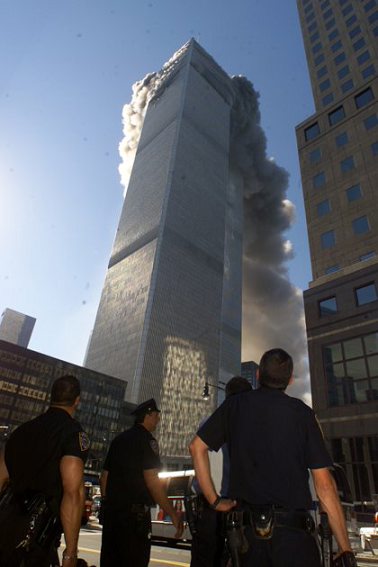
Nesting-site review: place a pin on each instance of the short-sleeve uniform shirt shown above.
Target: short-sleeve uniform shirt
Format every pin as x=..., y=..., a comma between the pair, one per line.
x=35, y=449
x=130, y=453
x=273, y=439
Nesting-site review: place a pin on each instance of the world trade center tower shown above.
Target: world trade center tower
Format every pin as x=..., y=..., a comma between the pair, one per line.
x=169, y=318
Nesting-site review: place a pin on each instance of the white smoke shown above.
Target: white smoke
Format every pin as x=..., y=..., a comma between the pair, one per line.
x=272, y=306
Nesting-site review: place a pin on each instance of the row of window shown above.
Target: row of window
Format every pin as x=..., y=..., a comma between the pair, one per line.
x=363, y=295
x=362, y=258
x=341, y=140
x=335, y=116
x=353, y=193
x=360, y=226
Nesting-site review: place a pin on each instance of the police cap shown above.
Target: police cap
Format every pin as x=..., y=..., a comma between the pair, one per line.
x=146, y=407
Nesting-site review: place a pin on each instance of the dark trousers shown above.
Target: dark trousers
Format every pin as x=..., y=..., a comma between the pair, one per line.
x=208, y=542
x=126, y=537
x=287, y=548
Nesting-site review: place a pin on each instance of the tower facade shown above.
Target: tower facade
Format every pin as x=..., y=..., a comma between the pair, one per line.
x=16, y=327
x=338, y=149
x=169, y=318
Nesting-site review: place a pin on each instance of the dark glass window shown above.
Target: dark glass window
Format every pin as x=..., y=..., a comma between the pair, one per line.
x=319, y=59
x=361, y=225
x=355, y=31
x=342, y=139
x=367, y=256
x=308, y=9
x=347, y=164
x=328, y=306
x=342, y=2
x=374, y=148
x=365, y=56
x=322, y=71
x=327, y=239
x=336, y=46
x=333, y=35
x=310, y=17
x=347, y=86
x=364, y=98
x=336, y=115
x=328, y=14
x=332, y=269
x=315, y=156
x=340, y=58
x=312, y=27
x=343, y=72
x=366, y=294
x=323, y=208
x=359, y=44
x=317, y=47
x=327, y=99
x=375, y=30
x=330, y=24
x=318, y=180
x=369, y=5
x=314, y=37
x=373, y=18
x=312, y=131
x=350, y=21
x=324, y=5
x=354, y=193
x=371, y=122
x=347, y=10
x=368, y=72
x=325, y=85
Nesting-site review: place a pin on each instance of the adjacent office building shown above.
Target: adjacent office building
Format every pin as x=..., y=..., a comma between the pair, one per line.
x=15, y=327
x=169, y=318
x=338, y=151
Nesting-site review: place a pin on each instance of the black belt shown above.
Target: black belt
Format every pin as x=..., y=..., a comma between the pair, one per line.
x=299, y=520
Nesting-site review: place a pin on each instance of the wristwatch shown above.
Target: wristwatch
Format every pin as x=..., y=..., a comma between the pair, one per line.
x=216, y=502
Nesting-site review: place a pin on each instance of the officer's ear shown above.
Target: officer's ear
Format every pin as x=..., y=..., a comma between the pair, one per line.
x=76, y=402
x=291, y=380
x=258, y=374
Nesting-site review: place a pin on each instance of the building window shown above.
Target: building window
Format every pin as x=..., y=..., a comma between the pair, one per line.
x=332, y=269
x=333, y=35
x=319, y=59
x=315, y=156
x=318, y=180
x=308, y=9
x=371, y=122
x=369, y=5
x=374, y=148
x=362, y=99
x=327, y=306
x=347, y=86
x=342, y=139
x=361, y=225
x=365, y=56
x=327, y=239
x=339, y=59
x=347, y=10
x=342, y=2
x=343, y=72
x=359, y=44
x=330, y=24
x=336, y=115
x=375, y=30
x=351, y=369
x=353, y=193
x=366, y=294
x=350, y=21
x=312, y=27
x=347, y=164
x=323, y=71
x=373, y=18
x=323, y=208
x=312, y=131
x=336, y=46
x=317, y=47
x=310, y=17
x=368, y=72
x=328, y=14
x=355, y=31
x=367, y=256
x=327, y=99
x=325, y=85
x=314, y=37
x=324, y=5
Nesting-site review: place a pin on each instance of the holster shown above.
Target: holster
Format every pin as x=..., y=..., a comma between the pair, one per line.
x=193, y=507
x=346, y=559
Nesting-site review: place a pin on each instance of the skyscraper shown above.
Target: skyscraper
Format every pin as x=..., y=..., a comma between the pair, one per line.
x=338, y=149
x=169, y=318
x=16, y=327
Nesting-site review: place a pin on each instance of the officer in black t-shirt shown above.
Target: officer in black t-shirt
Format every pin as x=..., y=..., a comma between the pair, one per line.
x=273, y=440
x=45, y=458
x=129, y=486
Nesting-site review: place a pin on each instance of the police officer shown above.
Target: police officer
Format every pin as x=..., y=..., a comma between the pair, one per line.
x=45, y=458
x=273, y=440
x=129, y=486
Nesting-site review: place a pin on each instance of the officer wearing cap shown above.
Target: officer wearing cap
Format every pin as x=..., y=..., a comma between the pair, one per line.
x=130, y=485
x=45, y=458
x=273, y=441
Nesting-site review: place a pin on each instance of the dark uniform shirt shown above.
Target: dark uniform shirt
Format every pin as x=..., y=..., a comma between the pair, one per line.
x=130, y=453
x=273, y=439
x=33, y=452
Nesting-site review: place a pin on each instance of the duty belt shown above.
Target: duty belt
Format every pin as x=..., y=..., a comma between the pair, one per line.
x=264, y=519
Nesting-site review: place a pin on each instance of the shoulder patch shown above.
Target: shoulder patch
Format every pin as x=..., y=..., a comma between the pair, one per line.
x=84, y=441
x=154, y=446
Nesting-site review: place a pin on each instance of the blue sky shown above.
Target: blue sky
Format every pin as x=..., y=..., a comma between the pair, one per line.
x=67, y=70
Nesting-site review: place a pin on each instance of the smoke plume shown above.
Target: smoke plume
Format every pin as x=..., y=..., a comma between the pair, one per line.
x=272, y=306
